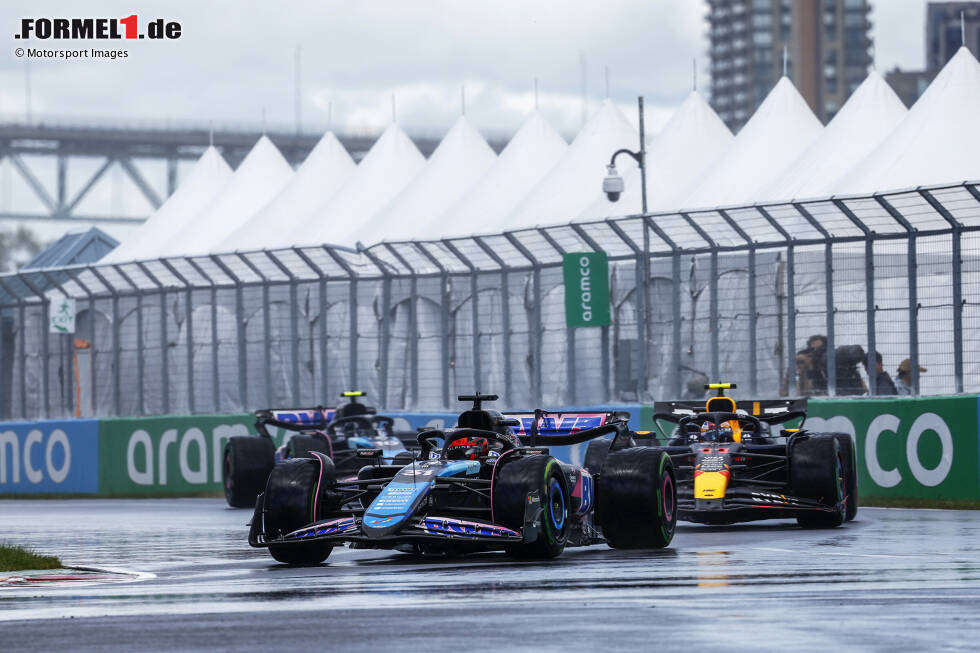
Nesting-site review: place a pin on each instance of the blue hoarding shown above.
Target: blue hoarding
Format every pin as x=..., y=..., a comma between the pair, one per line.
x=50, y=456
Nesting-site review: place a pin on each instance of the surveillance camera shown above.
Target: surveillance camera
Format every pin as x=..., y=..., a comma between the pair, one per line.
x=612, y=185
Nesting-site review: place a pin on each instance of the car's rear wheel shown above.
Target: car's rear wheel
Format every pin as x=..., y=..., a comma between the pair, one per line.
x=246, y=465
x=817, y=472
x=595, y=455
x=293, y=498
x=636, y=499
x=522, y=482
x=303, y=446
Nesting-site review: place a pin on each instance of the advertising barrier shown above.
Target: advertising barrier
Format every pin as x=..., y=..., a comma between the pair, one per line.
x=49, y=457
x=924, y=448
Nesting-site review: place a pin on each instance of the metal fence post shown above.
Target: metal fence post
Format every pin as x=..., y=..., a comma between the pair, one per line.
x=912, y=273
x=638, y=255
x=534, y=327
x=504, y=310
x=45, y=345
x=790, y=360
x=713, y=303
x=189, y=330
x=351, y=313
x=753, y=310
x=293, y=321
x=871, y=364
x=474, y=312
x=675, y=253
x=957, y=274
x=829, y=292
x=571, y=361
x=164, y=358
x=413, y=326
x=116, y=398
x=322, y=300
x=239, y=329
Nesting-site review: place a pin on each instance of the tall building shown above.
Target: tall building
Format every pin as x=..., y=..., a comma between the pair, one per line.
x=946, y=25
x=823, y=44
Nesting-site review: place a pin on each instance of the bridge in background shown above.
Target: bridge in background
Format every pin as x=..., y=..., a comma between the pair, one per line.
x=122, y=146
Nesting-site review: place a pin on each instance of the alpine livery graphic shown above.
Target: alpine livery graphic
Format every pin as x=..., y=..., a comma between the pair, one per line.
x=489, y=483
x=345, y=435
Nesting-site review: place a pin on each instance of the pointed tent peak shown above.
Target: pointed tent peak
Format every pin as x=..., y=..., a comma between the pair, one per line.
x=328, y=148
x=607, y=122
x=263, y=153
x=962, y=68
x=535, y=128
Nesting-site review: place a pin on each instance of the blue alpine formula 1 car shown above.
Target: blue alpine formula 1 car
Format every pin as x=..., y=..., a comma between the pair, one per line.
x=484, y=488
x=338, y=433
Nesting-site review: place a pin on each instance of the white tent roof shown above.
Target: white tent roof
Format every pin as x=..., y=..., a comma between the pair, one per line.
x=777, y=133
x=693, y=139
x=531, y=153
x=202, y=184
x=388, y=167
x=461, y=159
x=261, y=175
x=865, y=120
x=324, y=172
x=576, y=181
x=936, y=143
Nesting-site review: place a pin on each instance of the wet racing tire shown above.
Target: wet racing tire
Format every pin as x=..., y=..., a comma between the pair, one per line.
x=849, y=457
x=595, y=454
x=817, y=472
x=245, y=468
x=540, y=477
x=302, y=446
x=636, y=499
x=291, y=499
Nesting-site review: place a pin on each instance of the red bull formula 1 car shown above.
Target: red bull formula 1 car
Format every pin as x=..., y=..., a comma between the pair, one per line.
x=484, y=488
x=734, y=463
x=338, y=433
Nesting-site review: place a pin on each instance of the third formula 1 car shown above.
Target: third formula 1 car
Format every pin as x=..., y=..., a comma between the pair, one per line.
x=339, y=433
x=484, y=488
x=735, y=463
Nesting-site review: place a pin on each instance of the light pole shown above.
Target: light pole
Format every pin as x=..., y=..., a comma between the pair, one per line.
x=613, y=184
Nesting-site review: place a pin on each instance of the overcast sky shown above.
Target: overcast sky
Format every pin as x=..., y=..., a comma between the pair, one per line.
x=236, y=59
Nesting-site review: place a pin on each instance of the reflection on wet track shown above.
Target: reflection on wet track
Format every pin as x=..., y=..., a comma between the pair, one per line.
x=893, y=578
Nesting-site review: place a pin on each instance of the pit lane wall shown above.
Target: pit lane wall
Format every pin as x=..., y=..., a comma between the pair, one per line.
x=924, y=448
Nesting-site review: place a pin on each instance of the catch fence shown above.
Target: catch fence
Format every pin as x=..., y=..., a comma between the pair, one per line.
x=728, y=294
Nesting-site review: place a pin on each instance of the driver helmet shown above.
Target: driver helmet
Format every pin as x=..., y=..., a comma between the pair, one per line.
x=709, y=432
x=468, y=449
x=725, y=432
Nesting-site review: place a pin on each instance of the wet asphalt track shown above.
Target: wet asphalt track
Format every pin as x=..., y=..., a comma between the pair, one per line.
x=892, y=580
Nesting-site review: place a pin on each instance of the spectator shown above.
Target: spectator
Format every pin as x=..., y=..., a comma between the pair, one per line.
x=849, y=381
x=883, y=382
x=903, y=380
x=811, y=366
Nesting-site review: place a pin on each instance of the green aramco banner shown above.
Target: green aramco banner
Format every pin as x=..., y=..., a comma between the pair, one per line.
x=586, y=289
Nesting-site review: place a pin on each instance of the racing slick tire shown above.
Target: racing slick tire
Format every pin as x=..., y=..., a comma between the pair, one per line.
x=817, y=472
x=512, y=484
x=290, y=499
x=636, y=499
x=849, y=456
x=595, y=454
x=245, y=468
x=302, y=446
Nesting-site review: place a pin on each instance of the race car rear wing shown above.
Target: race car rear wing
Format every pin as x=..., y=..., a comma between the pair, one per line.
x=773, y=411
x=562, y=429
x=293, y=419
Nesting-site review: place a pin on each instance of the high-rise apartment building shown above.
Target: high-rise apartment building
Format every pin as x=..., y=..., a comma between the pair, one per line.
x=947, y=23
x=823, y=45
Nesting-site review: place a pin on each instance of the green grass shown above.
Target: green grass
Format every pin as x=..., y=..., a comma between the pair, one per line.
x=15, y=558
